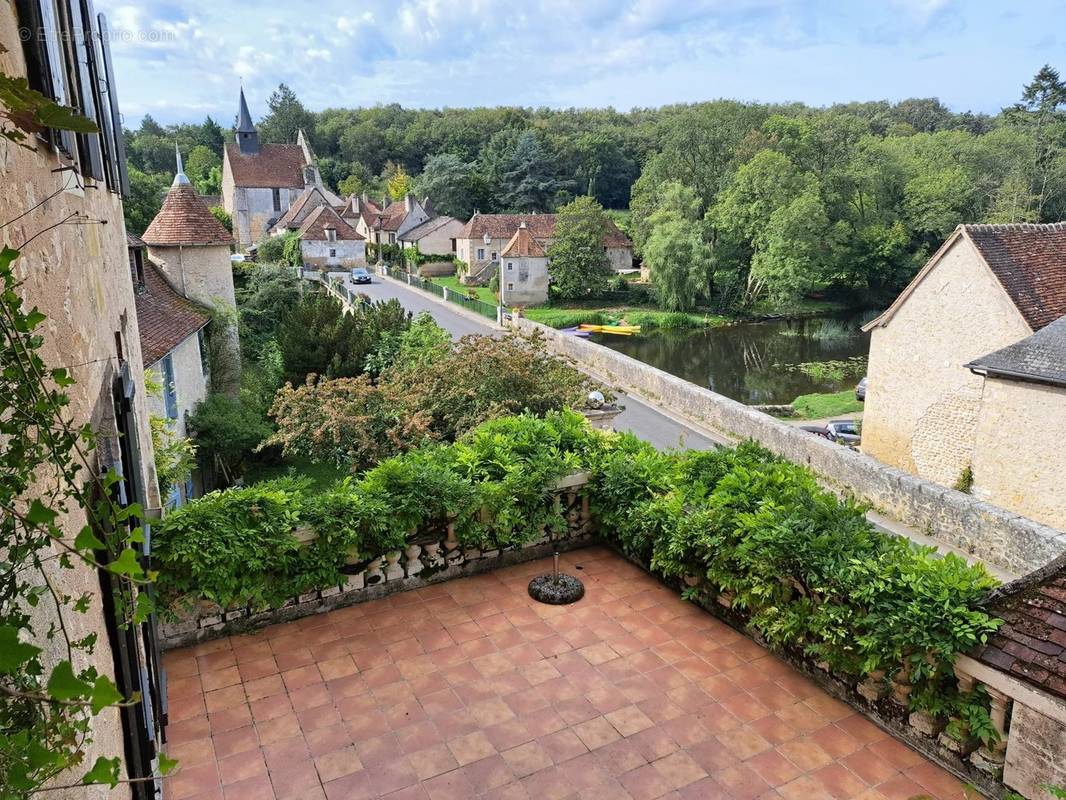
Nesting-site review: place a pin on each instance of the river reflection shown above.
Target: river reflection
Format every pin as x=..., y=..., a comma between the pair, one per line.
x=749, y=361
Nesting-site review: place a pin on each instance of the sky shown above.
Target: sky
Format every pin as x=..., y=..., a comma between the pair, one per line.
x=180, y=61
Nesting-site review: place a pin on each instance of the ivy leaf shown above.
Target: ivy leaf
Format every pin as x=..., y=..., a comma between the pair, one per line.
x=7, y=257
x=39, y=514
x=105, y=770
x=33, y=319
x=64, y=685
x=104, y=694
x=143, y=608
x=166, y=765
x=126, y=564
x=13, y=653
x=88, y=540
x=137, y=535
x=62, y=377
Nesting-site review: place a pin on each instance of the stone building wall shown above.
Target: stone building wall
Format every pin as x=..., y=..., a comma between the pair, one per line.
x=1019, y=459
x=523, y=281
x=917, y=381
x=251, y=208
x=991, y=533
x=190, y=383
x=78, y=276
x=348, y=253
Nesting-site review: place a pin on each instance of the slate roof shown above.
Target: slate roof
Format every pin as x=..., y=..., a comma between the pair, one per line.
x=185, y=220
x=424, y=229
x=275, y=166
x=523, y=244
x=542, y=226
x=1040, y=358
x=314, y=227
x=132, y=240
x=1031, y=643
x=1030, y=262
x=165, y=319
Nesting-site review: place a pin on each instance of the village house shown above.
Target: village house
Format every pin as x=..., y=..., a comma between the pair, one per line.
x=261, y=181
x=386, y=224
x=482, y=240
x=63, y=200
x=965, y=378
x=328, y=242
x=434, y=237
x=523, y=270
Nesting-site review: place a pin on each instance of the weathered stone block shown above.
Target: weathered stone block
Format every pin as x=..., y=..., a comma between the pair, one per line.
x=926, y=723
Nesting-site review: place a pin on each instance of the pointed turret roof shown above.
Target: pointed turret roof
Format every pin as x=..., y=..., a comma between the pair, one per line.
x=523, y=244
x=244, y=118
x=180, y=178
x=185, y=220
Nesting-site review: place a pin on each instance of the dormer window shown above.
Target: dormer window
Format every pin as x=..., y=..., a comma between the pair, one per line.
x=137, y=267
x=331, y=235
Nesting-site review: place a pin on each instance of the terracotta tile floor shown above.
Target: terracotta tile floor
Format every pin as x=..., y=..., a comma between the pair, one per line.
x=470, y=689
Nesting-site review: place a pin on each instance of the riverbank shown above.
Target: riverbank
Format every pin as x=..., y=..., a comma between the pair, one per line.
x=822, y=405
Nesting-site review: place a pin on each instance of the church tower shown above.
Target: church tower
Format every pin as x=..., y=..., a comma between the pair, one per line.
x=247, y=136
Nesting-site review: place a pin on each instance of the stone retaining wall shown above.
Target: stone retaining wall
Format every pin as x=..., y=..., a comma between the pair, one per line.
x=988, y=532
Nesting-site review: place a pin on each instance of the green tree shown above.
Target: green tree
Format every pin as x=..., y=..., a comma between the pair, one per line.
x=399, y=183
x=450, y=183
x=145, y=199
x=199, y=163
x=578, y=264
x=528, y=180
x=1042, y=113
x=286, y=118
x=680, y=261
x=219, y=213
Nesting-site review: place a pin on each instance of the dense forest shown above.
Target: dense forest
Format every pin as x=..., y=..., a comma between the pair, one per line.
x=726, y=201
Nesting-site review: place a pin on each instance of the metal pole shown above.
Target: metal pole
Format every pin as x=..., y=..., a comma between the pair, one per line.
x=555, y=573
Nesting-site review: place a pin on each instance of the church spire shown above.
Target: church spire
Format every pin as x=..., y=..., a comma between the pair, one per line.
x=180, y=179
x=247, y=137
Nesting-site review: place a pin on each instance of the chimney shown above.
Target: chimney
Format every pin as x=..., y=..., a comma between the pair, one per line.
x=523, y=225
x=365, y=197
x=408, y=202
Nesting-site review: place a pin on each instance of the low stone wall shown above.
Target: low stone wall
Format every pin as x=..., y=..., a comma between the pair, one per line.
x=988, y=532
x=421, y=563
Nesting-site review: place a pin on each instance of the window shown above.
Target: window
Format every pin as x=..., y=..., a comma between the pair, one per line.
x=510, y=287
x=68, y=58
x=170, y=395
x=277, y=199
x=332, y=252
x=481, y=254
x=493, y=256
x=392, y=238
x=137, y=267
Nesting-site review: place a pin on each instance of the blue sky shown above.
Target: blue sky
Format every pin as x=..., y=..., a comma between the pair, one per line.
x=183, y=60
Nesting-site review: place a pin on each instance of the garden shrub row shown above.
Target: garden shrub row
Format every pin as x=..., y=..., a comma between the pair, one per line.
x=803, y=568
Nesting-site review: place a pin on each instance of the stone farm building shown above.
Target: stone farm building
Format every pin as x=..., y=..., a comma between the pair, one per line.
x=482, y=240
x=261, y=181
x=436, y=236
x=966, y=379
x=523, y=270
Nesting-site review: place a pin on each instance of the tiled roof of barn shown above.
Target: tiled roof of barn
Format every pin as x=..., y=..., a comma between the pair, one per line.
x=1031, y=643
x=275, y=166
x=314, y=227
x=164, y=318
x=542, y=226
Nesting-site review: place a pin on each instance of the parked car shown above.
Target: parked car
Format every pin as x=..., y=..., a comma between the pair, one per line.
x=841, y=431
x=860, y=390
x=360, y=275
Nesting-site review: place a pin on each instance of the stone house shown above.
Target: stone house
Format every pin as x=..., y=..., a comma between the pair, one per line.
x=328, y=242
x=930, y=407
x=261, y=181
x=173, y=349
x=1023, y=670
x=387, y=223
x=484, y=237
x=523, y=270
x=436, y=236
x=63, y=200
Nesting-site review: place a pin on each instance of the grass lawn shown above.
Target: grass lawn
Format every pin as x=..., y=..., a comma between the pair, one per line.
x=647, y=318
x=484, y=293
x=322, y=475
x=830, y=404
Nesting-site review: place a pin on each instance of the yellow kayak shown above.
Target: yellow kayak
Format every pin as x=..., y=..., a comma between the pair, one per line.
x=621, y=330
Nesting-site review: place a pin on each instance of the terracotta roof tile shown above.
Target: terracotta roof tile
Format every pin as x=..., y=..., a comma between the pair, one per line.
x=314, y=227
x=164, y=318
x=274, y=166
x=295, y=214
x=1030, y=262
x=542, y=226
x=1031, y=643
x=392, y=217
x=185, y=220
x=523, y=244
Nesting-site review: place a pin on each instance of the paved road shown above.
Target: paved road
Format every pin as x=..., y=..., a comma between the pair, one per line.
x=641, y=419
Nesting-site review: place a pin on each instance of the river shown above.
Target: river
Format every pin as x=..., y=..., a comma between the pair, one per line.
x=757, y=362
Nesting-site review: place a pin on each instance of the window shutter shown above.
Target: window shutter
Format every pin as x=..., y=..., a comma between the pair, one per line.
x=43, y=49
x=81, y=44
x=117, y=138
x=99, y=85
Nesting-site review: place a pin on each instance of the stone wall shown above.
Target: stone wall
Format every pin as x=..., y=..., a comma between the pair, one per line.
x=523, y=281
x=1018, y=462
x=348, y=253
x=988, y=532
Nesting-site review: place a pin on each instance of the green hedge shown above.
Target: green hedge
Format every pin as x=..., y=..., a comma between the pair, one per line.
x=804, y=569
